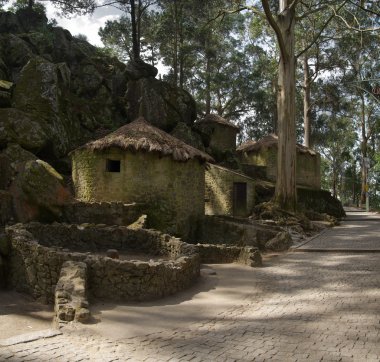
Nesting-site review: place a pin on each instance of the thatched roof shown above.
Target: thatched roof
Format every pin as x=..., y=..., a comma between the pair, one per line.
x=269, y=142
x=140, y=135
x=215, y=118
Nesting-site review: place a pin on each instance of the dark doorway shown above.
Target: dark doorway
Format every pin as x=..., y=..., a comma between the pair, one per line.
x=240, y=199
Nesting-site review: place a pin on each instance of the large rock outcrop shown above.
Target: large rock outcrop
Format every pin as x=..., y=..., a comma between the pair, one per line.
x=158, y=102
x=65, y=90
x=30, y=189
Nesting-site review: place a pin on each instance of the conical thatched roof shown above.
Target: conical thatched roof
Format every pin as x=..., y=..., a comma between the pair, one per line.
x=269, y=142
x=140, y=135
x=215, y=118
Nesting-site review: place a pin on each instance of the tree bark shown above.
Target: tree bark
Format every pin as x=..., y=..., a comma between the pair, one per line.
x=135, y=39
x=306, y=101
x=286, y=192
x=208, y=84
x=364, y=153
x=175, y=50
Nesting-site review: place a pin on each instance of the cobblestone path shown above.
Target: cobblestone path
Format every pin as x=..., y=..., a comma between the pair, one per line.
x=306, y=307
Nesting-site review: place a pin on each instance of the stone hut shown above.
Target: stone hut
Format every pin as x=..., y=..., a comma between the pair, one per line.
x=259, y=159
x=228, y=192
x=141, y=163
x=221, y=133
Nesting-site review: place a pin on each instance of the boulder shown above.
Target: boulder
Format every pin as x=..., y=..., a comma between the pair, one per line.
x=63, y=50
x=5, y=172
x=6, y=207
x=137, y=69
x=3, y=69
x=185, y=133
x=39, y=193
x=31, y=19
x=89, y=82
x=17, y=127
x=5, y=99
x=16, y=154
x=41, y=44
x=281, y=242
x=41, y=92
x=9, y=23
x=160, y=103
x=2, y=273
x=18, y=51
x=5, y=246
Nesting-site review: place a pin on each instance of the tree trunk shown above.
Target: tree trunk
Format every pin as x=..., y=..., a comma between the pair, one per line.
x=364, y=153
x=208, y=84
x=175, y=50
x=286, y=192
x=181, y=49
x=135, y=39
x=306, y=101
x=30, y=4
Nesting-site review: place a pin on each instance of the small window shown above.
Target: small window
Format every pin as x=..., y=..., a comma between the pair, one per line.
x=113, y=165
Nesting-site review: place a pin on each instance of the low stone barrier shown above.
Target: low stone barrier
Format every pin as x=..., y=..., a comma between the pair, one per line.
x=219, y=254
x=110, y=213
x=38, y=252
x=70, y=294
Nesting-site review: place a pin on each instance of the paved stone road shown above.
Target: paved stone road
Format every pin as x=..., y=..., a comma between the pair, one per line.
x=359, y=232
x=306, y=307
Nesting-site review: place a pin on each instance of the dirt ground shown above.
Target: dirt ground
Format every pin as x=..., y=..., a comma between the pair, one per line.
x=19, y=314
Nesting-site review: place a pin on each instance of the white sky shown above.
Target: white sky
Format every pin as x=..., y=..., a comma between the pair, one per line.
x=88, y=24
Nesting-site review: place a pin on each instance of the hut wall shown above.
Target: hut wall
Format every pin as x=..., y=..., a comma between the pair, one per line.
x=308, y=166
x=219, y=191
x=172, y=192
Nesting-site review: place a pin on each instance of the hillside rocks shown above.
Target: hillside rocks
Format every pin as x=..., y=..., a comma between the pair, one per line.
x=30, y=189
x=41, y=92
x=159, y=103
x=17, y=127
x=65, y=90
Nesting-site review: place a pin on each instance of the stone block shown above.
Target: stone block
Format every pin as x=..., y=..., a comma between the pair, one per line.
x=281, y=242
x=70, y=293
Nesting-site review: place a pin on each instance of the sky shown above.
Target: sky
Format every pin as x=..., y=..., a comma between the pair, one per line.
x=87, y=24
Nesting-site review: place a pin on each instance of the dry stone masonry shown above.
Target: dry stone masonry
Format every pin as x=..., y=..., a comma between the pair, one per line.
x=216, y=254
x=70, y=293
x=38, y=252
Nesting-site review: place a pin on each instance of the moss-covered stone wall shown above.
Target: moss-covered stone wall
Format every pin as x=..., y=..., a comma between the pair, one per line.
x=38, y=251
x=308, y=166
x=219, y=191
x=173, y=192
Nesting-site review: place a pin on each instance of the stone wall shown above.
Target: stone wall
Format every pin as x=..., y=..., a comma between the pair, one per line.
x=232, y=231
x=71, y=294
x=110, y=213
x=219, y=191
x=308, y=166
x=39, y=250
x=172, y=191
x=218, y=254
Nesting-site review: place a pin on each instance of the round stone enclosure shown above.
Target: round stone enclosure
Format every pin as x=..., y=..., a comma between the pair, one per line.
x=39, y=250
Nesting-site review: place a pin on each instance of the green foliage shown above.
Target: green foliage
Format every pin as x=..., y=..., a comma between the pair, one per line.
x=23, y=4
